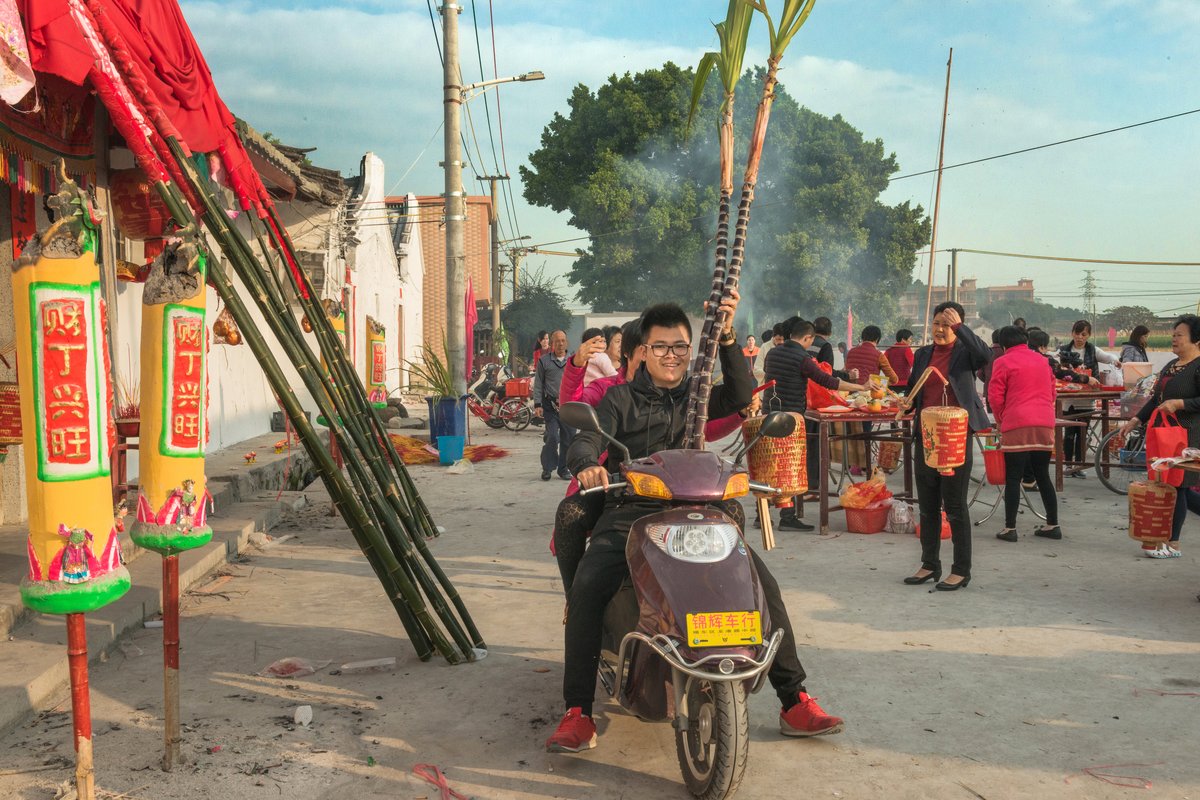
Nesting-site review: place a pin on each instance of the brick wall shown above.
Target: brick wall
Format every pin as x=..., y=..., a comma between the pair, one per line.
x=477, y=246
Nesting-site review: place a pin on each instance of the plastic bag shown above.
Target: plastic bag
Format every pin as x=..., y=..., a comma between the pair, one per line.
x=902, y=518
x=292, y=668
x=861, y=495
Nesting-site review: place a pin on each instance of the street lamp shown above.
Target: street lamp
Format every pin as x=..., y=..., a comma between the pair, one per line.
x=456, y=271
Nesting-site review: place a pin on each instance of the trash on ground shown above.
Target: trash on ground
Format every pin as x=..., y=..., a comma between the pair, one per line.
x=292, y=667
x=303, y=715
x=460, y=467
x=373, y=665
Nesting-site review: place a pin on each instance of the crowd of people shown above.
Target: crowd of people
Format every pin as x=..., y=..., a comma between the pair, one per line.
x=636, y=376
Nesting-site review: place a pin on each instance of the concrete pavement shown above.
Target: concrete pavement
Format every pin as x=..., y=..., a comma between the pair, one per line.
x=1059, y=658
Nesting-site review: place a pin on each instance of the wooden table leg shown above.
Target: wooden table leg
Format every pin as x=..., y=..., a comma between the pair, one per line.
x=908, y=456
x=1058, y=445
x=823, y=496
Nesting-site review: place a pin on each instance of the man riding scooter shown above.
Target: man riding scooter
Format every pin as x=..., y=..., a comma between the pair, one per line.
x=647, y=416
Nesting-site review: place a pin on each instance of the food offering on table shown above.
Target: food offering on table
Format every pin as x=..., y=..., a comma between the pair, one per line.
x=877, y=399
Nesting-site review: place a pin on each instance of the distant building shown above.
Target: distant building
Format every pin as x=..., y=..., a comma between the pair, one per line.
x=971, y=297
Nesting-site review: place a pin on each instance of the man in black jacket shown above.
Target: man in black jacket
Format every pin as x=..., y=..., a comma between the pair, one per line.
x=792, y=365
x=647, y=415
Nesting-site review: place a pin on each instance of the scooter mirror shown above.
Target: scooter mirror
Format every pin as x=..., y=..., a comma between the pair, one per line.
x=778, y=425
x=581, y=416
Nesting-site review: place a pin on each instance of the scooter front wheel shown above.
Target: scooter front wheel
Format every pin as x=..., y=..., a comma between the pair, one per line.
x=714, y=749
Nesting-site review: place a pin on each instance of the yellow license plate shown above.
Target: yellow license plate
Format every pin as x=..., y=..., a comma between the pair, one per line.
x=724, y=629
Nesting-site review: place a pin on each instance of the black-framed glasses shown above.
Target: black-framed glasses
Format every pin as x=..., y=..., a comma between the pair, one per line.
x=661, y=350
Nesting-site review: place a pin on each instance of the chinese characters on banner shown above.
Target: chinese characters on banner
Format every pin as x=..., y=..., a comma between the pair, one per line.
x=67, y=343
x=378, y=362
x=183, y=389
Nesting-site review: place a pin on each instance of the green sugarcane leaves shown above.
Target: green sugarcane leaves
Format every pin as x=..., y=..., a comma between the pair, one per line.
x=795, y=14
x=732, y=34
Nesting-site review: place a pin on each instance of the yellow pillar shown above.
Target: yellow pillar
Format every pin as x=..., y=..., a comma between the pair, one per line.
x=376, y=364
x=67, y=432
x=173, y=498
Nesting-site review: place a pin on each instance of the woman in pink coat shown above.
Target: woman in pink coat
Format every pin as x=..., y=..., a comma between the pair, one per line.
x=1021, y=393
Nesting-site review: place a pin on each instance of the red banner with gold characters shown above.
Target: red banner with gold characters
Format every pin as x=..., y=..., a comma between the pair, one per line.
x=67, y=343
x=183, y=389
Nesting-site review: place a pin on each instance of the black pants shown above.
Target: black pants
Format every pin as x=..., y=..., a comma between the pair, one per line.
x=599, y=577
x=1185, y=500
x=556, y=439
x=1074, y=439
x=1016, y=466
x=577, y=514
x=935, y=492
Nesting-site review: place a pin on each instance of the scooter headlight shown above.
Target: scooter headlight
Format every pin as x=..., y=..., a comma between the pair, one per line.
x=700, y=544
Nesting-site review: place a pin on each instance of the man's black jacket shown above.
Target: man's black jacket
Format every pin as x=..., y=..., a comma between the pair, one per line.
x=647, y=419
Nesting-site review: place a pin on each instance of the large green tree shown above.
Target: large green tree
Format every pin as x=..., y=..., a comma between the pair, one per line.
x=627, y=168
x=539, y=307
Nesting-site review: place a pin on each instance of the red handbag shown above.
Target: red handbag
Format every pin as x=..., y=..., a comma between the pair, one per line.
x=1165, y=438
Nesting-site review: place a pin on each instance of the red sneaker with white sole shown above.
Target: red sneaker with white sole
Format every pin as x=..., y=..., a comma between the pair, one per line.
x=576, y=732
x=806, y=718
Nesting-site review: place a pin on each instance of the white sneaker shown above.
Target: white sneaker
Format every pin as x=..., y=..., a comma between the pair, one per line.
x=1164, y=551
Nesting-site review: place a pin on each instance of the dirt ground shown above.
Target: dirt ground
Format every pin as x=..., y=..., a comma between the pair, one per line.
x=1065, y=669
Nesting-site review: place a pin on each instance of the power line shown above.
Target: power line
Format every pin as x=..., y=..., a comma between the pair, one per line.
x=1050, y=144
x=1082, y=260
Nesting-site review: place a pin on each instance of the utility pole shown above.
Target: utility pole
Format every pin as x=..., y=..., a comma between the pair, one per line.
x=495, y=262
x=954, y=274
x=1089, y=293
x=456, y=267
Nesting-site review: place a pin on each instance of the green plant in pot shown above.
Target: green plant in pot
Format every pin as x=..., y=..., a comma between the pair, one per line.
x=447, y=411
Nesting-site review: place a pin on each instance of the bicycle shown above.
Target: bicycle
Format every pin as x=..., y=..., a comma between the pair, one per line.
x=1120, y=460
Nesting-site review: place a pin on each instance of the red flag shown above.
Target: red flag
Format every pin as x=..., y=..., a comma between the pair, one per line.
x=849, y=326
x=472, y=316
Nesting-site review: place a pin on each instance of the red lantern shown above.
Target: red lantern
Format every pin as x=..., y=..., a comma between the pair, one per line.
x=138, y=210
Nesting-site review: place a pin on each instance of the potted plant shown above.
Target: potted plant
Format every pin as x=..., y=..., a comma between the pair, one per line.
x=128, y=414
x=447, y=411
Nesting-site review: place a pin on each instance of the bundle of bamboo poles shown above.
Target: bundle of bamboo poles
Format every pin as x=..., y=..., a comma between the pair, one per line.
x=376, y=495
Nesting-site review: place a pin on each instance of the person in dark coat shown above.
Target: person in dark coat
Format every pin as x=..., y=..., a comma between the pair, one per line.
x=1177, y=391
x=957, y=353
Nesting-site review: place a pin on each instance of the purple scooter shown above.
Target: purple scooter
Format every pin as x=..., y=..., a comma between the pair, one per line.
x=688, y=636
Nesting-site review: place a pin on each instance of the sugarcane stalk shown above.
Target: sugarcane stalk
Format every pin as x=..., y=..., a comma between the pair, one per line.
x=81, y=706
x=170, y=612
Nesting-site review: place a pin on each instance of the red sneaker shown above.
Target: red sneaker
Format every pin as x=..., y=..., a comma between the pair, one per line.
x=576, y=732
x=806, y=718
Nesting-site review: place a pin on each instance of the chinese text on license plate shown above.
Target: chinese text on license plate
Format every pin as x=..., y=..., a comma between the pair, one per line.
x=724, y=628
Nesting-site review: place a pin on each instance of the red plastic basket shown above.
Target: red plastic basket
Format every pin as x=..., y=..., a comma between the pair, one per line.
x=872, y=519
x=518, y=387
x=993, y=463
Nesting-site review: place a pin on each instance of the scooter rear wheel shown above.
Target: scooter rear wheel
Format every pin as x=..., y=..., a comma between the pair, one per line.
x=713, y=751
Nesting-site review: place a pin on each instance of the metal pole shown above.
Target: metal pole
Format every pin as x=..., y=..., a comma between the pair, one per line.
x=81, y=706
x=456, y=272
x=496, y=289
x=937, y=200
x=170, y=611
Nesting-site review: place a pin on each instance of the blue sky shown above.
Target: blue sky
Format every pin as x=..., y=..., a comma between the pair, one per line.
x=363, y=76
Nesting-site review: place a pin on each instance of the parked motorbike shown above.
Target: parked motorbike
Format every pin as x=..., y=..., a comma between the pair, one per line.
x=689, y=636
x=487, y=401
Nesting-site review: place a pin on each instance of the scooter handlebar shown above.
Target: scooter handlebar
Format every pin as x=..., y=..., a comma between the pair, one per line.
x=612, y=484
x=762, y=488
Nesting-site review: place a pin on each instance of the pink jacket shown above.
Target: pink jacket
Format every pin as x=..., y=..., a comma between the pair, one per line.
x=1021, y=390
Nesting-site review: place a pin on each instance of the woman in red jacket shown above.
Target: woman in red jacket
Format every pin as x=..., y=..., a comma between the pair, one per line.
x=1021, y=393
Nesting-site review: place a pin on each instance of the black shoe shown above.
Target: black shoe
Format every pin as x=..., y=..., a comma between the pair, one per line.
x=952, y=587
x=545, y=475
x=1048, y=532
x=564, y=474
x=795, y=524
x=1007, y=535
x=913, y=580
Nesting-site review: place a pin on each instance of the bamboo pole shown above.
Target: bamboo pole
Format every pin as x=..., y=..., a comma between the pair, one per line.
x=247, y=266
x=937, y=203
x=81, y=706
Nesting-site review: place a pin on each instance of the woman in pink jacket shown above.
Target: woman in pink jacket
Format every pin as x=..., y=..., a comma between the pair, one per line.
x=1021, y=393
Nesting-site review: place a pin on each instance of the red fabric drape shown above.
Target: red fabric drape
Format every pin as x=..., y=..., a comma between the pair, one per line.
x=161, y=42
